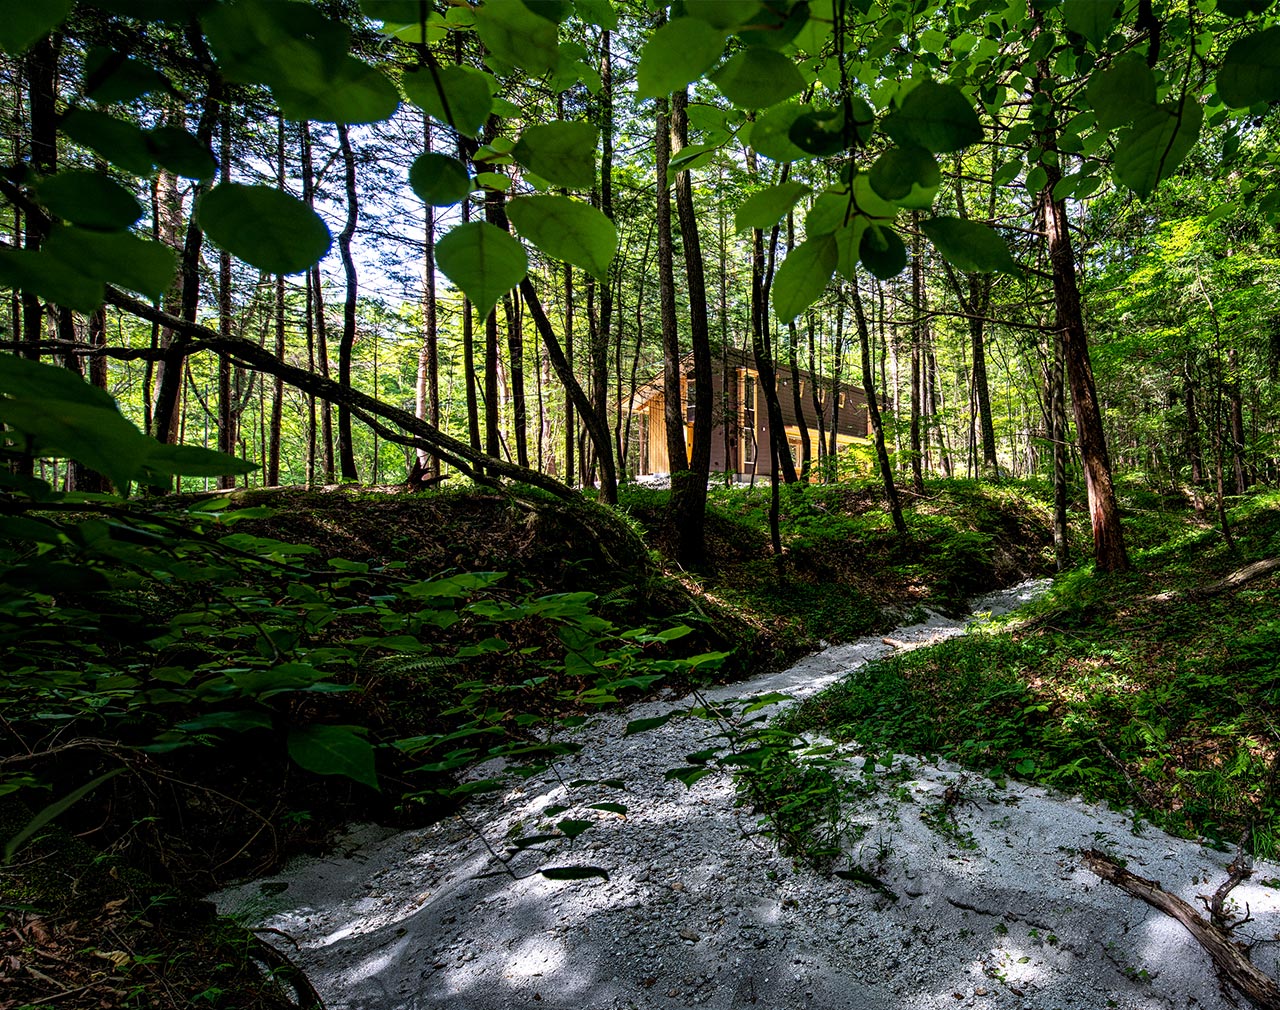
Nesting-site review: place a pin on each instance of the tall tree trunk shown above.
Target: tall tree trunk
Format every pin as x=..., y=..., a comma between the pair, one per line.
x=793, y=348
x=602, y=335
x=917, y=339
x=1193, y=450
x=570, y=420
x=815, y=393
x=1238, y=470
x=1108, y=537
x=689, y=494
x=672, y=364
x=277, y=391
x=346, y=349
x=515, y=348
x=321, y=334
x=873, y=412
x=228, y=435
x=837, y=377
x=1058, y=435
x=41, y=65
x=427, y=387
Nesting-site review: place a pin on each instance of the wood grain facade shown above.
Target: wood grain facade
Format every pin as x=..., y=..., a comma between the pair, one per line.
x=740, y=437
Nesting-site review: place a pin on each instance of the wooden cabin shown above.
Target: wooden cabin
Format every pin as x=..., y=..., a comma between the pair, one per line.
x=740, y=438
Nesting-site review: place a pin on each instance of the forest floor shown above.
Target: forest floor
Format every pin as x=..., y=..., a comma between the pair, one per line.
x=127, y=938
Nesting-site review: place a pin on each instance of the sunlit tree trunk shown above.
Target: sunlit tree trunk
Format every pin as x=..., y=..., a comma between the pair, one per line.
x=873, y=412
x=672, y=366
x=228, y=435
x=346, y=348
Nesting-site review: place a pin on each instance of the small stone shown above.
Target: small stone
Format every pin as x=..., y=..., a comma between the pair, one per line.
x=832, y=911
x=690, y=935
x=980, y=991
x=678, y=886
x=673, y=992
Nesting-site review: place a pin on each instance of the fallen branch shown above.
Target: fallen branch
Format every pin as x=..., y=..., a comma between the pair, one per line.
x=1229, y=957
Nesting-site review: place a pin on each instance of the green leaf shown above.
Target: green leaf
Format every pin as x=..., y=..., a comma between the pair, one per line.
x=821, y=133
x=353, y=92
x=182, y=154
x=571, y=828
x=723, y=13
x=882, y=252
x=644, y=725
x=611, y=808
x=154, y=10
x=484, y=261
x=439, y=180
x=568, y=230
x=275, y=42
x=1121, y=92
x=1094, y=19
x=686, y=775
x=89, y=199
x=401, y=11
x=561, y=152
x=49, y=278
x=936, y=117
x=969, y=245
x=1156, y=144
x=39, y=380
x=123, y=258
x=98, y=437
x=47, y=814
x=462, y=98
x=194, y=461
x=755, y=78
x=574, y=872
x=1242, y=8
x=553, y=10
x=1250, y=71
x=771, y=133
x=265, y=227
x=679, y=52
x=110, y=76
x=907, y=175
x=766, y=207
x=334, y=750
x=597, y=12
x=25, y=22
x=516, y=34
x=121, y=143
x=803, y=276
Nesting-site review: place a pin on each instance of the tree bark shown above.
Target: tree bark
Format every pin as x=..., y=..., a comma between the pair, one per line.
x=673, y=414
x=227, y=414
x=427, y=387
x=321, y=334
x=873, y=413
x=346, y=348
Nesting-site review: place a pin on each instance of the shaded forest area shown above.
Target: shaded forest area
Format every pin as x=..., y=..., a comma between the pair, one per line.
x=325, y=327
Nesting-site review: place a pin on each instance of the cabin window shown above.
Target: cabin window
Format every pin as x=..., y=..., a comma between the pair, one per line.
x=749, y=402
x=691, y=397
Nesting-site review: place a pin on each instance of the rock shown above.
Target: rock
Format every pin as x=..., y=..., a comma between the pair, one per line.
x=690, y=935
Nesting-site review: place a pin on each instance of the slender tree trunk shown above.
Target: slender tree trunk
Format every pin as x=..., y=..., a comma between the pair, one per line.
x=346, y=349
x=797, y=401
x=277, y=392
x=672, y=363
x=873, y=412
x=1058, y=434
x=837, y=378
x=815, y=392
x=603, y=334
x=515, y=348
x=492, y=443
x=917, y=339
x=228, y=435
x=570, y=420
x=427, y=389
x=1108, y=536
x=689, y=495
x=1193, y=449
x=1238, y=470
x=321, y=334
x=41, y=65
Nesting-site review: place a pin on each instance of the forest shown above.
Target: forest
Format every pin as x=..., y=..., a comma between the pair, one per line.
x=393, y=387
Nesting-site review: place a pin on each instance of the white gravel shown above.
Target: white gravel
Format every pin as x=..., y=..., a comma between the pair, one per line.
x=701, y=910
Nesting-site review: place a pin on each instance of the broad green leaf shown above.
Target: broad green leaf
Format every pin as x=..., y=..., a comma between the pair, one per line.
x=484, y=261
x=49, y=278
x=275, y=42
x=771, y=133
x=692, y=157
x=1121, y=92
x=334, y=750
x=47, y=814
x=1155, y=145
x=1242, y=8
x=723, y=13
x=493, y=180
x=121, y=143
x=574, y=872
x=831, y=210
x=155, y=10
x=803, y=276
x=110, y=76
x=1250, y=71
x=755, y=78
x=571, y=828
x=644, y=725
x=611, y=808
x=766, y=207
x=817, y=31
x=353, y=93
x=568, y=230
x=679, y=52
x=99, y=437
x=969, y=245
x=820, y=133
x=561, y=152
x=181, y=153
x=439, y=180
x=1094, y=19
x=265, y=227
x=41, y=381
x=194, y=461
x=907, y=175
x=24, y=22
x=936, y=117
x=457, y=96
x=89, y=199
x=882, y=252
x=518, y=35
x=597, y=12
x=122, y=258
x=553, y=10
